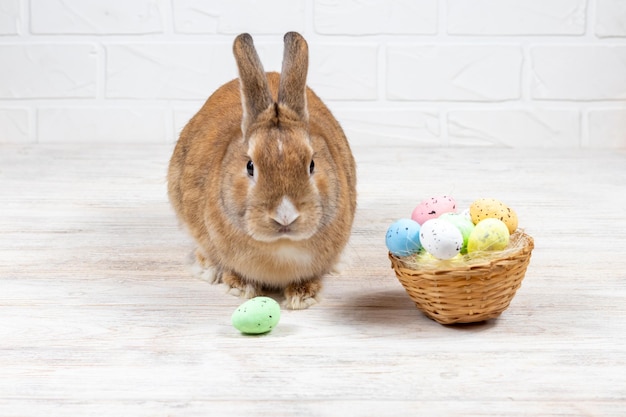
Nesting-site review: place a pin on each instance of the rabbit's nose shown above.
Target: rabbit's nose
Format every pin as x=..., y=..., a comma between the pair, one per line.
x=286, y=213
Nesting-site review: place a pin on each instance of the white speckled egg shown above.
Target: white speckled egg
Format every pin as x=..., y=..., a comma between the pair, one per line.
x=463, y=223
x=441, y=238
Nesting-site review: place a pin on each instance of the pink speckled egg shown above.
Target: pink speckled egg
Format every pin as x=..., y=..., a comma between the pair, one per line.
x=433, y=207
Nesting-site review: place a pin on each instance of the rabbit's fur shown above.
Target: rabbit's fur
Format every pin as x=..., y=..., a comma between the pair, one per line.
x=264, y=180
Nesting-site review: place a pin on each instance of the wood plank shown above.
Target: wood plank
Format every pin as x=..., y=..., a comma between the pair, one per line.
x=100, y=316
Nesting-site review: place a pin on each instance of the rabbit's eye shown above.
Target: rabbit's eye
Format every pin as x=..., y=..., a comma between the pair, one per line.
x=250, y=168
x=312, y=167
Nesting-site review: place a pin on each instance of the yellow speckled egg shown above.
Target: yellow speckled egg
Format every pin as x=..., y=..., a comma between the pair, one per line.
x=489, y=234
x=490, y=208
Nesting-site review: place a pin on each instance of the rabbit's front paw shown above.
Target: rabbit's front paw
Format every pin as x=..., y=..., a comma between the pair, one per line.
x=238, y=287
x=302, y=295
x=200, y=267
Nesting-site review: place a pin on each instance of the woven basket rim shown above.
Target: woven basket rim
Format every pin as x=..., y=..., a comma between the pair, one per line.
x=527, y=245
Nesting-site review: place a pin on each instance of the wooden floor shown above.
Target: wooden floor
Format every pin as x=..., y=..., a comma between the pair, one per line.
x=99, y=317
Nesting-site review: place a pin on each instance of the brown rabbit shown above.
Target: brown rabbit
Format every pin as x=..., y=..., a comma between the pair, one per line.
x=264, y=179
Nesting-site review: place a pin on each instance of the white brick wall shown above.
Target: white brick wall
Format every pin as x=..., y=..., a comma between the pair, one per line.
x=48, y=71
x=453, y=72
x=496, y=127
x=9, y=17
x=517, y=17
x=515, y=73
x=610, y=18
x=101, y=124
x=236, y=16
x=372, y=17
x=110, y=17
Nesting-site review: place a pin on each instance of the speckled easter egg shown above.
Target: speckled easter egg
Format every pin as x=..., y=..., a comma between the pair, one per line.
x=463, y=223
x=441, y=238
x=402, y=237
x=433, y=207
x=488, y=235
x=257, y=315
x=490, y=208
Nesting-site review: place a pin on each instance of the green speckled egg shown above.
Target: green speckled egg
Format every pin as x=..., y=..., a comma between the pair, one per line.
x=257, y=315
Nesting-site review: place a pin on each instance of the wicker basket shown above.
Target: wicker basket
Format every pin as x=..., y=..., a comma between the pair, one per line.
x=470, y=292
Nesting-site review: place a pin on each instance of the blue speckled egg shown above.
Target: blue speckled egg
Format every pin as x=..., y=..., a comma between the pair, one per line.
x=403, y=237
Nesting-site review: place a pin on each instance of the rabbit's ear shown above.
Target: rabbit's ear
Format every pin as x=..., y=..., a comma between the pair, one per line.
x=255, y=92
x=292, y=86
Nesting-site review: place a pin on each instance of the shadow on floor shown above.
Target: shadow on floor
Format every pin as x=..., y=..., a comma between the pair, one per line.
x=394, y=309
